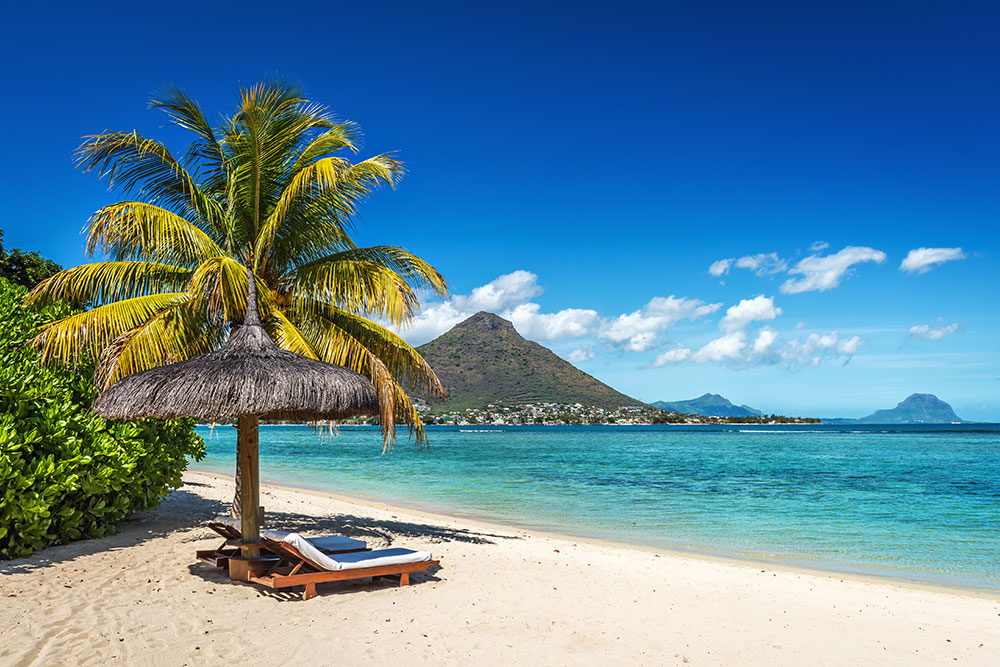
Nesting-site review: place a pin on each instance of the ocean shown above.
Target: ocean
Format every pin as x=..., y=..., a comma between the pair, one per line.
x=920, y=503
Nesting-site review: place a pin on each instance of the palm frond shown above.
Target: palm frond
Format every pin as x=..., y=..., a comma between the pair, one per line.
x=104, y=282
x=405, y=364
x=342, y=184
x=172, y=335
x=414, y=270
x=342, y=135
x=336, y=346
x=287, y=336
x=133, y=230
x=222, y=283
x=88, y=334
x=185, y=112
x=360, y=287
x=147, y=169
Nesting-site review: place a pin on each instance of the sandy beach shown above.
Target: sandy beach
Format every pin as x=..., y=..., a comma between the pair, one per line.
x=502, y=596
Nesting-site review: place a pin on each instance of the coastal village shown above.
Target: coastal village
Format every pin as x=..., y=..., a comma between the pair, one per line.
x=577, y=414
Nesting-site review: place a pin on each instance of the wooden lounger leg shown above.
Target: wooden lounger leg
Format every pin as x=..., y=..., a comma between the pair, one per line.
x=404, y=579
x=310, y=592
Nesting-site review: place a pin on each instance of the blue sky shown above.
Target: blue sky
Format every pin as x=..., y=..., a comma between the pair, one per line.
x=574, y=166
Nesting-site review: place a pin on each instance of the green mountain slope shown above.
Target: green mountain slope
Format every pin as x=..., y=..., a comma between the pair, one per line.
x=484, y=360
x=915, y=409
x=708, y=405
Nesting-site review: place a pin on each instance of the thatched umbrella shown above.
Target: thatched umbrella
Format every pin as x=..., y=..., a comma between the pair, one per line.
x=249, y=378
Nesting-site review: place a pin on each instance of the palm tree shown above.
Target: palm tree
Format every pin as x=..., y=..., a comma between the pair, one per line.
x=267, y=190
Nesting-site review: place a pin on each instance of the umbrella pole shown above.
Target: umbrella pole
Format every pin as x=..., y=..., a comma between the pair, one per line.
x=247, y=452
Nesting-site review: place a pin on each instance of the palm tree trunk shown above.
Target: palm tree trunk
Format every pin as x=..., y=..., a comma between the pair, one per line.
x=249, y=482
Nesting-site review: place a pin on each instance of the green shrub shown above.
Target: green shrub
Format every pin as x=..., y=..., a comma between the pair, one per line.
x=66, y=473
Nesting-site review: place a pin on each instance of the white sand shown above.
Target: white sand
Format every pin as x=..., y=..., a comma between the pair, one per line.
x=503, y=596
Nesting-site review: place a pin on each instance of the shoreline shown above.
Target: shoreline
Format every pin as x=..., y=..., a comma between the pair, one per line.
x=502, y=596
x=753, y=563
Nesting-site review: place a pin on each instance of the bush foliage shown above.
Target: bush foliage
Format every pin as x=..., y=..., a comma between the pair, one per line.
x=66, y=473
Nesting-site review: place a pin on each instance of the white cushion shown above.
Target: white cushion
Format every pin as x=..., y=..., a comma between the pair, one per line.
x=325, y=543
x=355, y=561
x=337, y=543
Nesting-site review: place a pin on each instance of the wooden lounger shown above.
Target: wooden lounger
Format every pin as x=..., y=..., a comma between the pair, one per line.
x=219, y=557
x=296, y=569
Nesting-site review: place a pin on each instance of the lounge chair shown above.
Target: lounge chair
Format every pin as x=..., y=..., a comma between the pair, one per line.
x=302, y=564
x=229, y=529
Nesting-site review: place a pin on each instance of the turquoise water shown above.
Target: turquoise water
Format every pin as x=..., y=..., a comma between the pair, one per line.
x=916, y=503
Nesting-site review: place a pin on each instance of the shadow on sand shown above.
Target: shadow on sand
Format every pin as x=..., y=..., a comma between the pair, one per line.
x=187, y=512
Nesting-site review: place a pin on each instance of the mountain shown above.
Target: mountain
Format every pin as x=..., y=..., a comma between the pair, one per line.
x=915, y=409
x=709, y=405
x=484, y=360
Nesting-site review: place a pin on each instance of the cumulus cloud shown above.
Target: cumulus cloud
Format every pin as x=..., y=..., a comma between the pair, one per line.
x=674, y=356
x=567, y=323
x=720, y=267
x=820, y=273
x=819, y=245
x=747, y=311
x=637, y=331
x=766, y=337
x=927, y=332
x=506, y=291
x=725, y=348
x=509, y=296
x=922, y=260
x=763, y=264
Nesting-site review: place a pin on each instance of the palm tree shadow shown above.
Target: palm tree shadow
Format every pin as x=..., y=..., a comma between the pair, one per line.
x=383, y=532
x=187, y=513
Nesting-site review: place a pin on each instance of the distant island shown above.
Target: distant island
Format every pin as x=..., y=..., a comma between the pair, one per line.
x=708, y=405
x=914, y=409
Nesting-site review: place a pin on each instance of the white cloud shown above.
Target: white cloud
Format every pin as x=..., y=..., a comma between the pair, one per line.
x=927, y=332
x=819, y=245
x=820, y=273
x=850, y=345
x=505, y=292
x=736, y=350
x=720, y=267
x=508, y=296
x=567, y=323
x=582, y=353
x=673, y=356
x=637, y=331
x=641, y=342
x=816, y=348
x=747, y=311
x=766, y=337
x=922, y=260
x=763, y=264
x=725, y=348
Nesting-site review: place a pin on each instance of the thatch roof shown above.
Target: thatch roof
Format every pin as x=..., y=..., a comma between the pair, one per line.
x=249, y=375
